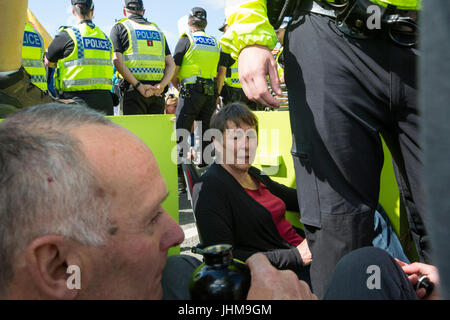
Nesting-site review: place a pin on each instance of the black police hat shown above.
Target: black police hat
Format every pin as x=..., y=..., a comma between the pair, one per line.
x=134, y=4
x=87, y=3
x=222, y=28
x=199, y=13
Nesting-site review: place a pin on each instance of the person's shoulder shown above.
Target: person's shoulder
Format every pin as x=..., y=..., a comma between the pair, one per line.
x=120, y=22
x=64, y=30
x=215, y=176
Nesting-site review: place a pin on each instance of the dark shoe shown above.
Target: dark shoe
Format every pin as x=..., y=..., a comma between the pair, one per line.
x=17, y=90
x=181, y=182
x=181, y=185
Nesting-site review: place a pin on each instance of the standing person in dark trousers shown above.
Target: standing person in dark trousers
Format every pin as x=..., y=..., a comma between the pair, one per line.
x=196, y=58
x=434, y=102
x=345, y=89
x=143, y=61
x=82, y=55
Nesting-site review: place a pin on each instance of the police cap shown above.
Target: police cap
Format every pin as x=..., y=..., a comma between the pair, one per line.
x=224, y=25
x=137, y=5
x=88, y=3
x=199, y=13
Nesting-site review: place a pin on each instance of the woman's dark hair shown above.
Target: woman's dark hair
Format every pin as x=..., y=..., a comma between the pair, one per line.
x=82, y=10
x=235, y=112
x=198, y=23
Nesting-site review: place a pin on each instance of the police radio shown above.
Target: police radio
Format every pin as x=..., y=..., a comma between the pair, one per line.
x=277, y=10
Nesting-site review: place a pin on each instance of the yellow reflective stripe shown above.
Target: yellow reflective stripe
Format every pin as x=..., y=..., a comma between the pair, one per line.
x=86, y=82
x=87, y=62
x=189, y=80
x=32, y=63
x=142, y=57
x=202, y=47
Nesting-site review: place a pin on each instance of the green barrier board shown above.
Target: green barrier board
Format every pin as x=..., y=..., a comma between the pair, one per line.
x=157, y=131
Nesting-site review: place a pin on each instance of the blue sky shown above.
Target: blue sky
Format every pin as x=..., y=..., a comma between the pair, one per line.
x=166, y=13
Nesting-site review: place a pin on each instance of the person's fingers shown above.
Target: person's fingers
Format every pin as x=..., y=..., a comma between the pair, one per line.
x=274, y=79
x=412, y=268
x=413, y=279
x=401, y=263
x=262, y=94
x=421, y=293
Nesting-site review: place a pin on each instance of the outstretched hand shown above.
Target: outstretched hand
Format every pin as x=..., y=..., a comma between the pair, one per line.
x=255, y=63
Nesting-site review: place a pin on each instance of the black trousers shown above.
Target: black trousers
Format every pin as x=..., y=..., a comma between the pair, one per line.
x=100, y=100
x=195, y=106
x=231, y=94
x=135, y=103
x=369, y=274
x=434, y=102
x=343, y=92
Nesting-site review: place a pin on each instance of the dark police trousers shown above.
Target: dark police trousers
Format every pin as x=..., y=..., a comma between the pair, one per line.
x=344, y=93
x=232, y=94
x=195, y=106
x=135, y=103
x=100, y=100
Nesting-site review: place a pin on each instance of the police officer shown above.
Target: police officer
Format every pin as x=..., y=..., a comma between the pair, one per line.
x=347, y=83
x=228, y=83
x=143, y=61
x=196, y=58
x=32, y=56
x=83, y=57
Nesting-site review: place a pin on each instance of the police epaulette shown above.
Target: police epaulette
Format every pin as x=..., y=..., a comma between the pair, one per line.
x=64, y=27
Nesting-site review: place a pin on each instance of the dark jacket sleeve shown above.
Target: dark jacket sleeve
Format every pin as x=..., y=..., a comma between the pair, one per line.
x=285, y=259
x=181, y=49
x=61, y=47
x=214, y=219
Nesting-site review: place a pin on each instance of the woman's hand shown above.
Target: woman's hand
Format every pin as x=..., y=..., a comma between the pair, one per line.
x=305, y=253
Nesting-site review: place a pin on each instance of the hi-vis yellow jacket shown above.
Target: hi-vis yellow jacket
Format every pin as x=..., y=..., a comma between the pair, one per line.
x=233, y=79
x=201, y=59
x=89, y=66
x=145, y=57
x=32, y=54
x=248, y=23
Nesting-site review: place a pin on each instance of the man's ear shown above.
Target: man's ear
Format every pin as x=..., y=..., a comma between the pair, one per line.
x=124, y=12
x=48, y=259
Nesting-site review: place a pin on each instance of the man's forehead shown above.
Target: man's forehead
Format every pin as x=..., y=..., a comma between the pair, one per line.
x=112, y=149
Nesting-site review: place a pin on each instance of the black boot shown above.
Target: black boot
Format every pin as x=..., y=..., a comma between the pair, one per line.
x=181, y=182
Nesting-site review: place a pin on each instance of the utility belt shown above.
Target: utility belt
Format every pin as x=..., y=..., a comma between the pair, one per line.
x=207, y=87
x=361, y=19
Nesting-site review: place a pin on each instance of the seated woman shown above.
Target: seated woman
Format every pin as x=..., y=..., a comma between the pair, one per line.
x=239, y=205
